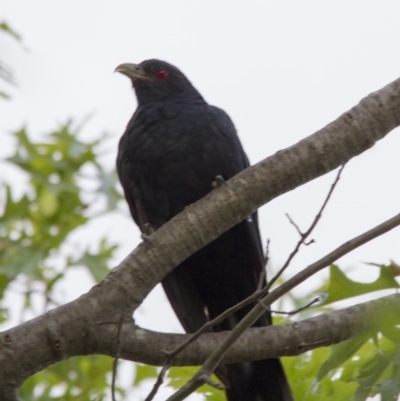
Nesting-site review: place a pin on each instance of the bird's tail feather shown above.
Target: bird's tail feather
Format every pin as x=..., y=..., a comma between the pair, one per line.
x=262, y=380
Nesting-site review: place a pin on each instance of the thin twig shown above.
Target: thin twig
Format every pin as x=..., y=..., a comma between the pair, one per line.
x=293, y=312
x=119, y=348
x=305, y=235
x=218, y=354
x=158, y=383
x=261, y=280
x=207, y=379
x=210, y=324
x=263, y=274
x=266, y=257
x=295, y=225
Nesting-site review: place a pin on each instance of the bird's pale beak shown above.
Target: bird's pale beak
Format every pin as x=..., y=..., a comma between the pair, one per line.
x=132, y=71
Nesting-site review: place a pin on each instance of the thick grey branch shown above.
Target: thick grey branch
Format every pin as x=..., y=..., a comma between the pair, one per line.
x=73, y=329
x=259, y=343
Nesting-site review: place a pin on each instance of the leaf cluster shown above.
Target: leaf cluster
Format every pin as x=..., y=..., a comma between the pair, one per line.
x=66, y=187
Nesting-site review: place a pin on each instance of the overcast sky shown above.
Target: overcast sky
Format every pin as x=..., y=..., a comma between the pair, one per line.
x=281, y=70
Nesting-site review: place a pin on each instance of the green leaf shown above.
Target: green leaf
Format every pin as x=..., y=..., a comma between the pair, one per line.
x=6, y=28
x=25, y=260
x=97, y=263
x=144, y=372
x=3, y=314
x=390, y=388
x=178, y=376
x=53, y=281
x=5, y=95
x=77, y=379
x=341, y=287
x=393, y=334
x=13, y=210
x=108, y=184
x=339, y=354
x=48, y=203
x=369, y=375
x=4, y=280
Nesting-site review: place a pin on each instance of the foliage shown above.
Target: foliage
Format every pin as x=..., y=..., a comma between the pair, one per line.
x=68, y=381
x=353, y=370
x=356, y=369
x=35, y=248
x=341, y=287
x=176, y=378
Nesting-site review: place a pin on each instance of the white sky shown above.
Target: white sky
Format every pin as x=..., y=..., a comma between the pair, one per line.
x=281, y=70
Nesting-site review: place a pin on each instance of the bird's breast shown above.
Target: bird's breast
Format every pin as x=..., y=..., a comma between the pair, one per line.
x=175, y=151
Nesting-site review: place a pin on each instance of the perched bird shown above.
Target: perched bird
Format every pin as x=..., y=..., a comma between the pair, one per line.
x=174, y=148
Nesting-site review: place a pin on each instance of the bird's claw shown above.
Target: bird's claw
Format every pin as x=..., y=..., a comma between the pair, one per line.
x=219, y=180
x=146, y=238
x=148, y=229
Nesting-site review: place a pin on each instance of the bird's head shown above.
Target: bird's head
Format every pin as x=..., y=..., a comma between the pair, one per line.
x=156, y=80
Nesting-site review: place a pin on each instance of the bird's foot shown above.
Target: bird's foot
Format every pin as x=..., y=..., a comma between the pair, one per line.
x=147, y=231
x=219, y=180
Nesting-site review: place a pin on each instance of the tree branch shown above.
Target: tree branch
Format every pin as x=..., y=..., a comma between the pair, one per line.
x=75, y=328
x=265, y=342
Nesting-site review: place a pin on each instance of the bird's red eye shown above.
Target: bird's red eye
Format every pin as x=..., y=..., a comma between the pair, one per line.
x=162, y=74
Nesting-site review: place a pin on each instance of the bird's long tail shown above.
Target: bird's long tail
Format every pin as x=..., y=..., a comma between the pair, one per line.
x=262, y=380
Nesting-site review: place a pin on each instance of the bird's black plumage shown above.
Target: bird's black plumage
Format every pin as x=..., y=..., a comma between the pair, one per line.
x=173, y=149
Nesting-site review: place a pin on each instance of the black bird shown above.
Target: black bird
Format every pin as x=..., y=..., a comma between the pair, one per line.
x=174, y=148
